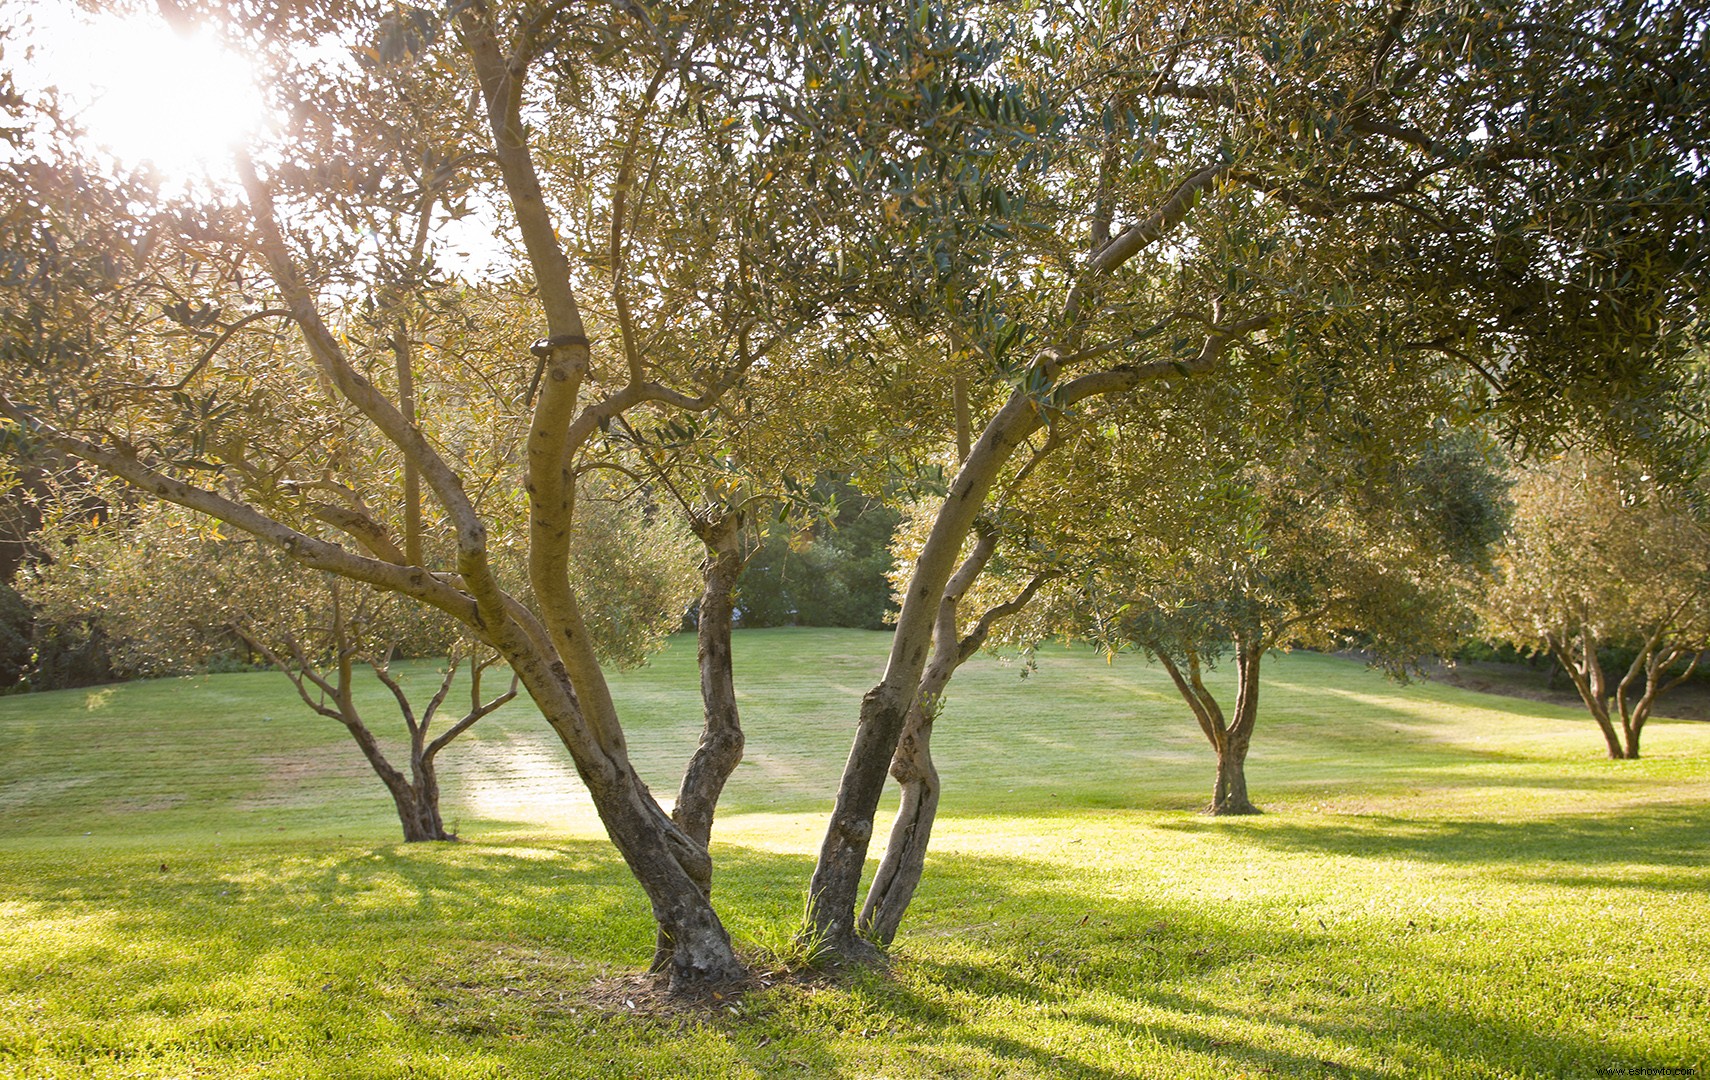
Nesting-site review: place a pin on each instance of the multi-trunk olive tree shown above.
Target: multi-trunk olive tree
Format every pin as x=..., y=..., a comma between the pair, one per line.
x=1504, y=193
x=261, y=354
x=1598, y=558
x=1010, y=211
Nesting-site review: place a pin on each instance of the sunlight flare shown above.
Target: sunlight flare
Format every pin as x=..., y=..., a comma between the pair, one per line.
x=181, y=102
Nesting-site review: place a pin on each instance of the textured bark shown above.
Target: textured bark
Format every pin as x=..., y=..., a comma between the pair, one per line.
x=553, y=654
x=904, y=862
x=885, y=709
x=1229, y=739
x=831, y=924
x=720, y=748
x=1230, y=796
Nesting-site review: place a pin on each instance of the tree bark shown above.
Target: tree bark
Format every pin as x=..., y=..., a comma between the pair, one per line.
x=904, y=861
x=1586, y=672
x=553, y=654
x=1230, y=796
x=417, y=800
x=831, y=924
x=720, y=748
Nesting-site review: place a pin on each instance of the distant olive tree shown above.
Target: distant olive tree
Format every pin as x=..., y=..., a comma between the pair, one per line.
x=1599, y=557
x=170, y=591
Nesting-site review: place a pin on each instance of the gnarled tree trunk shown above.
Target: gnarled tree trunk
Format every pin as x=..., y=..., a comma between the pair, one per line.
x=904, y=861
x=1580, y=660
x=1230, y=739
x=900, y=870
x=720, y=748
x=831, y=924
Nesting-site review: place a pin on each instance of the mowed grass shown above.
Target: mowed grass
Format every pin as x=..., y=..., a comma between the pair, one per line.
x=197, y=878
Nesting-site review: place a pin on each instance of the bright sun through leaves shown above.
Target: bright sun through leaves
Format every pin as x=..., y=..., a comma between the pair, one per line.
x=178, y=101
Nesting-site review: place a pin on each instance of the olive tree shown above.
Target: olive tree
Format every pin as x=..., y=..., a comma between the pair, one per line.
x=1379, y=199
x=1007, y=211
x=1600, y=557
x=292, y=357
x=1279, y=552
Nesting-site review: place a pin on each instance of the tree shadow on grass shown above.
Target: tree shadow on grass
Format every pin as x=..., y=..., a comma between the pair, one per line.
x=1233, y=986
x=1013, y=966
x=1664, y=841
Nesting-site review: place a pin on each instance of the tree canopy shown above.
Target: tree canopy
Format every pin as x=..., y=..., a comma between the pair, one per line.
x=1601, y=558
x=939, y=231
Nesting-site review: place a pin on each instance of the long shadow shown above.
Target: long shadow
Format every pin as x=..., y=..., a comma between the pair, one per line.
x=1147, y=966
x=1660, y=838
x=479, y=944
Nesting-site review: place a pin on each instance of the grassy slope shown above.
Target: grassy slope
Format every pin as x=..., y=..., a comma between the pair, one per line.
x=197, y=878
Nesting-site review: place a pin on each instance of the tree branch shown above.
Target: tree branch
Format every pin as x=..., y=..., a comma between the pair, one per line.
x=472, y=562
x=308, y=550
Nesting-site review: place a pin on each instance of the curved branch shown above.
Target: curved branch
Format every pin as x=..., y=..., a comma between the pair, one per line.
x=471, y=532
x=982, y=628
x=1142, y=234
x=211, y=350
x=308, y=550
x=1129, y=376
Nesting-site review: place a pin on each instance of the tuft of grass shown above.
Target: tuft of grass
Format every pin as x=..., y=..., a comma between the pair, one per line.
x=198, y=880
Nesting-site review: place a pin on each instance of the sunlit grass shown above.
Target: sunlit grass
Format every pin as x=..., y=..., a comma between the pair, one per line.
x=1445, y=884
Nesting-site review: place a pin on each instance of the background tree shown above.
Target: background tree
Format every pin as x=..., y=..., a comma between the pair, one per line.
x=1600, y=557
x=172, y=594
x=1279, y=553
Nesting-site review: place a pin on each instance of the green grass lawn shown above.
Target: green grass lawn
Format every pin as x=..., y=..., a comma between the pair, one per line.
x=197, y=878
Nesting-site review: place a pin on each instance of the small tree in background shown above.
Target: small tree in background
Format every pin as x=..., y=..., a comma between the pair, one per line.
x=170, y=592
x=1271, y=568
x=1598, y=557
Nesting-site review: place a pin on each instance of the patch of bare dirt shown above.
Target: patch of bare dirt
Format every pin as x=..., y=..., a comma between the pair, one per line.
x=647, y=995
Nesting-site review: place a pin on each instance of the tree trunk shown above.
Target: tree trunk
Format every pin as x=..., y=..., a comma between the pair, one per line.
x=720, y=749
x=418, y=812
x=1586, y=672
x=422, y=806
x=1230, y=798
x=885, y=708
x=417, y=803
x=678, y=883
x=904, y=860
x=1230, y=795
x=673, y=869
